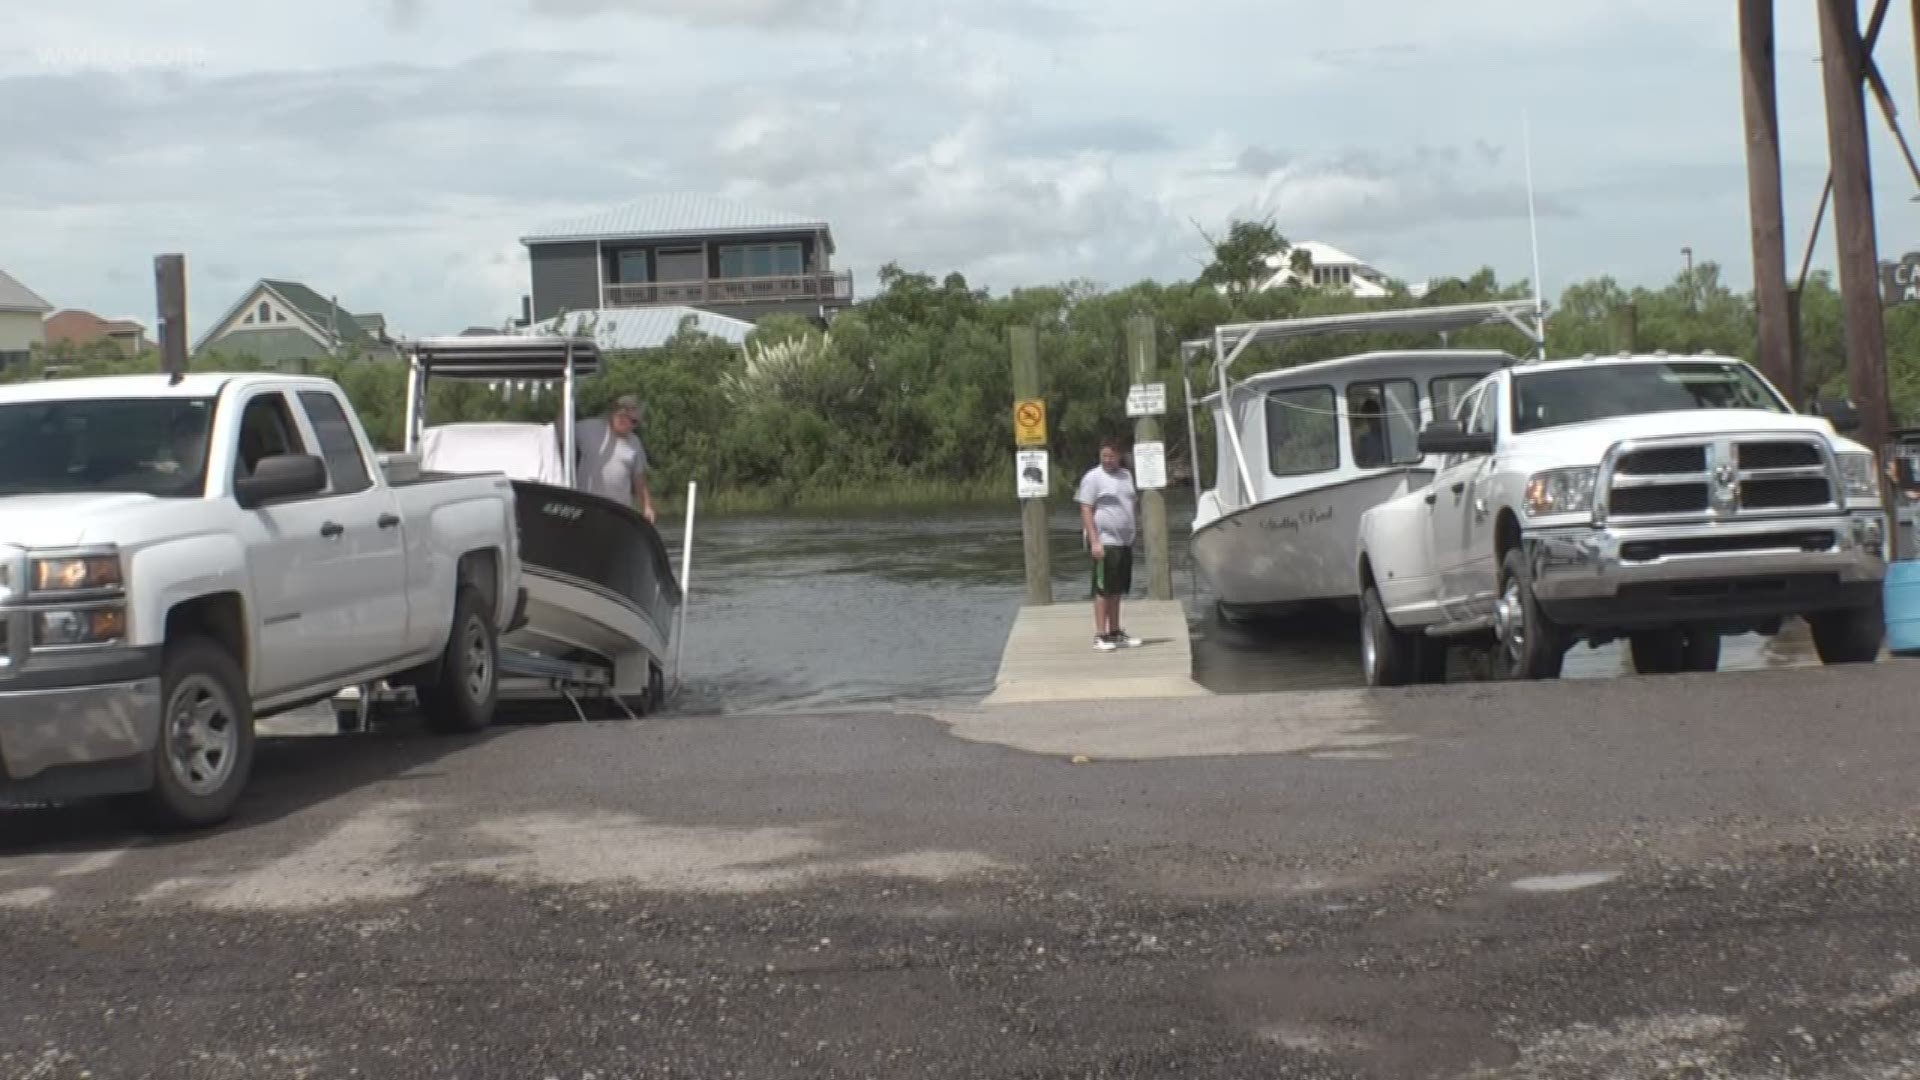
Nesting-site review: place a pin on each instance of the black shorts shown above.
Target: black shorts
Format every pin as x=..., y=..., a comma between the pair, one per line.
x=1113, y=575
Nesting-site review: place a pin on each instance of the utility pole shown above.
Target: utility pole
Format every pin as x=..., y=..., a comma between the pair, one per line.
x=1152, y=476
x=1760, y=98
x=1844, y=72
x=1030, y=436
x=170, y=295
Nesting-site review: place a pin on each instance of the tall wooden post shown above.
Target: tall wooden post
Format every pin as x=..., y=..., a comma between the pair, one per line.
x=1025, y=342
x=1145, y=370
x=1843, y=71
x=170, y=295
x=1761, y=103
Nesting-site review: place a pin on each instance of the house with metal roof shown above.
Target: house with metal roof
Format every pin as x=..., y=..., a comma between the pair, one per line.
x=286, y=324
x=693, y=251
x=635, y=328
x=22, y=312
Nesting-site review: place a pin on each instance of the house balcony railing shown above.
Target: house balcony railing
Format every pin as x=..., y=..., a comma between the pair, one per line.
x=826, y=285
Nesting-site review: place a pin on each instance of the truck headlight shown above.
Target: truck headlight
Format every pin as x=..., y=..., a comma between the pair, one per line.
x=1561, y=491
x=103, y=625
x=80, y=573
x=1859, y=476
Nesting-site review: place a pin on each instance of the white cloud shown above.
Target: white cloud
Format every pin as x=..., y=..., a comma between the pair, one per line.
x=391, y=151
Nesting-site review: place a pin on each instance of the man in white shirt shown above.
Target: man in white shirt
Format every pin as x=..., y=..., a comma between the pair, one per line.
x=1109, y=515
x=611, y=462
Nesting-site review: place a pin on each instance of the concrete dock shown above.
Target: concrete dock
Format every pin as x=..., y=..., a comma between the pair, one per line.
x=1050, y=656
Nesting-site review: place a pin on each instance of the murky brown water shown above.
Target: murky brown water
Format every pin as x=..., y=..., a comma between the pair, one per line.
x=818, y=612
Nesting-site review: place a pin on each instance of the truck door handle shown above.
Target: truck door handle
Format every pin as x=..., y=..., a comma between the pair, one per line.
x=1431, y=496
x=332, y=529
x=388, y=521
x=1459, y=487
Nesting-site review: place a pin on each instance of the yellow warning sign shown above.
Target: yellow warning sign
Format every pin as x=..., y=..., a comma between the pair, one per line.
x=1030, y=422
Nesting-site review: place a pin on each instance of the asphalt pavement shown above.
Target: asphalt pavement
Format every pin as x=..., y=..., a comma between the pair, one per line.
x=1691, y=876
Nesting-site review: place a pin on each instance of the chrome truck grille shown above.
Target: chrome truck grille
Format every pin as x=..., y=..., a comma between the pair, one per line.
x=1739, y=478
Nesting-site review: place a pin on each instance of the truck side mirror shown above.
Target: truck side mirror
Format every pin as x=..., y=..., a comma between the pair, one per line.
x=1448, y=437
x=1838, y=412
x=281, y=476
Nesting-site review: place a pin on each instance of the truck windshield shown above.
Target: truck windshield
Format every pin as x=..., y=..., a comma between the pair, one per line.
x=152, y=446
x=1545, y=399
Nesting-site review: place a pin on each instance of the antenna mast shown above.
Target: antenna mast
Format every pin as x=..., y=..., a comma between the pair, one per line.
x=1533, y=228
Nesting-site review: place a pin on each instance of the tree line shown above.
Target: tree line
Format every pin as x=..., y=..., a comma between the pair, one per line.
x=909, y=391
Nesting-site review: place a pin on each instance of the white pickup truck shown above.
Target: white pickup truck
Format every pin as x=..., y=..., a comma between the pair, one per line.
x=178, y=559
x=1669, y=500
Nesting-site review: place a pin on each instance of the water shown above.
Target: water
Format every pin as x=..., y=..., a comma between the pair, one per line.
x=801, y=613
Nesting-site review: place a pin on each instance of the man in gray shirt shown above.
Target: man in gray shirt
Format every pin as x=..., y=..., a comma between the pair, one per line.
x=610, y=460
x=1109, y=513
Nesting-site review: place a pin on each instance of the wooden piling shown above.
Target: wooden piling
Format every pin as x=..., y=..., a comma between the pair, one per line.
x=1768, y=216
x=1145, y=369
x=1025, y=345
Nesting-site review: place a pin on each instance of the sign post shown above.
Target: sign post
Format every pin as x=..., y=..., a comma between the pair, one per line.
x=1030, y=438
x=1147, y=402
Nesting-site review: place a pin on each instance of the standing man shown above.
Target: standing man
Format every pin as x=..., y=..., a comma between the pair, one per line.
x=1109, y=516
x=611, y=461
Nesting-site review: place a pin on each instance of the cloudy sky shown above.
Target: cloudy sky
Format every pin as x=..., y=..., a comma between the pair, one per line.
x=392, y=151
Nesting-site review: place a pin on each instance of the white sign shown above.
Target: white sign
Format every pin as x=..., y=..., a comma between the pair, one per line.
x=1149, y=465
x=1030, y=472
x=1147, y=399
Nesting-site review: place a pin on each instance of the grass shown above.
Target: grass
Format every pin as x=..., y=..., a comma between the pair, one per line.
x=904, y=494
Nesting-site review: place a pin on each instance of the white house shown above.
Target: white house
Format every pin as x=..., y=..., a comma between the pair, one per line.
x=1331, y=269
x=22, y=320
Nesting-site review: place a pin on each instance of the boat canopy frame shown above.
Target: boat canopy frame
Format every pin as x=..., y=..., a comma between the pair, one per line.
x=562, y=358
x=1230, y=341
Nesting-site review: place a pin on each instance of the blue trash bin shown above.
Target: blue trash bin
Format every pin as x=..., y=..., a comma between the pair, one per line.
x=1903, y=608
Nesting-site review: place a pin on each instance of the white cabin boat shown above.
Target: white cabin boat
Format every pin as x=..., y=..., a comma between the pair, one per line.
x=1302, y=452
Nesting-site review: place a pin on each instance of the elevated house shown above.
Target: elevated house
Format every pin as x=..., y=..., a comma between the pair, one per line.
x=287, y=325
x=22, y=312
x=688, y=251
x=1327, y=268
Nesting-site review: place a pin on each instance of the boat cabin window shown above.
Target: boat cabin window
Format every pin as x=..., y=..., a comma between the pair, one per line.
x=1303, y=431
x=1448, y=391
x=1383, y=422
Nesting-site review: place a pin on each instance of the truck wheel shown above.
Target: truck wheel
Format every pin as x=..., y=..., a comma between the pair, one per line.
x=1389, y=656
x=1852, y=636
x=205, y=753
x=1527, y=645
x=462, y=697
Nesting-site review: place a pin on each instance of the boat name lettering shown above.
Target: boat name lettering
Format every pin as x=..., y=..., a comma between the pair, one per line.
x=558, y=509
x=1295, y=522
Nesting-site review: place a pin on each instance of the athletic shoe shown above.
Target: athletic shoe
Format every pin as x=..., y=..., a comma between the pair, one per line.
x=1105, y=644
x=1122, y=639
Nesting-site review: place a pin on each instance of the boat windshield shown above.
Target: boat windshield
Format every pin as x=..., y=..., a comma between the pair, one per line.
x=1577, y=395
x=149, y=446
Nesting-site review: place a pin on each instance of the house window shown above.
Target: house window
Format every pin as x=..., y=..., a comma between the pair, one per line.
x=632, y=268
x=1303, y=434
x=279, y=316
x=760, y=260
x=266, y=313
x=1383, y=421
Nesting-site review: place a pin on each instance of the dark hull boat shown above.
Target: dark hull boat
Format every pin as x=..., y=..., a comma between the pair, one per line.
x=602, y=598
